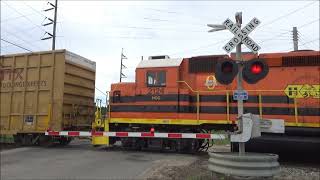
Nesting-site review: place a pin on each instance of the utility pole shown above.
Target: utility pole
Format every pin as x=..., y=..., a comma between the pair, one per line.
x=295, y=38
x=122, y=66
x=238, y=17
x=54, y=25
x=54, y=22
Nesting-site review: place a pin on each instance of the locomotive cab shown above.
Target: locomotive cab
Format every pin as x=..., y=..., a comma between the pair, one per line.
x=157, y=77
x=155, y=82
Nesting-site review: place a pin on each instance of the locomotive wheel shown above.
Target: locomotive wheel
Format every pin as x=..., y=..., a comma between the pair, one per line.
x=126, y=143
x=193, y=146
x=131, y=143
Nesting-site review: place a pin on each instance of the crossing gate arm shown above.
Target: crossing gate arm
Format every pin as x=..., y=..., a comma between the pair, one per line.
x=137, y=134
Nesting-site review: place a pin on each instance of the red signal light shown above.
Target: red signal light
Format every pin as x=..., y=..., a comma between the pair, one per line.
x=256, y=68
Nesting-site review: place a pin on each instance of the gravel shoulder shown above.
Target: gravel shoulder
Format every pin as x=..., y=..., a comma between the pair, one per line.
x=197, y=170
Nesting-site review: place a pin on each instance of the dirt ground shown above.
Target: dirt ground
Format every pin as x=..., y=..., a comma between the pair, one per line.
x=198, y=170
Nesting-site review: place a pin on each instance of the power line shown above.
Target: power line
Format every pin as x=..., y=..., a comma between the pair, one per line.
x=101, y=91
x=26, y=42
x=23, y=30
x=288, y=14
x=305, y=43
x=272, y=38
x=195, y=49
x=151, y=28
x=310, y=41
x=59, y=29
x=14, y=18
x=309, y=23
x=156, y=20
x=179, y=13
x=146, y=28
x=305, y=37
x=16, y=45
x=304, y=25
x=302, y=39
x=24, y=16
x=37, y=11
x=22, y=44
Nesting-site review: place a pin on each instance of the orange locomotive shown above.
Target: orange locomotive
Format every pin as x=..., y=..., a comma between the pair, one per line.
x=183, y=95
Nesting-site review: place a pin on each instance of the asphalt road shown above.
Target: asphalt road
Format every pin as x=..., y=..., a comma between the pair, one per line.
x=80, y=160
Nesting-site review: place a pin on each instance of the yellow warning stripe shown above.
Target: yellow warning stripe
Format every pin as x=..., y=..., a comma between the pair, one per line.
x=302, y=124
x=192, y=122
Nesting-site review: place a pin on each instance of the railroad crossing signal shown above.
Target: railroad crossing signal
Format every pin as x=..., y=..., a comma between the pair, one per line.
x=241, y=35
x=253, y=70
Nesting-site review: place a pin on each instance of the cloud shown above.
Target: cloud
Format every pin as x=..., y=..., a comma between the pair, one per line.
x=98, y=30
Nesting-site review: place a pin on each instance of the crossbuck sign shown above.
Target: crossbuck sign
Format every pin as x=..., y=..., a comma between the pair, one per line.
x=241, y=35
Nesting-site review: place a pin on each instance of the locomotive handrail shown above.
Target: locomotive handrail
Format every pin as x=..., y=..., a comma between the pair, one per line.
x=228, y=103
x=250, y=90
x=108, y=104
x=187, y=85
x=296, y=111
x=228, y=106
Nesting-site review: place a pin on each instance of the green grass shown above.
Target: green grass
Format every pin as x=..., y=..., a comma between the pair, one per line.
x=220, y=142
x=6, y=139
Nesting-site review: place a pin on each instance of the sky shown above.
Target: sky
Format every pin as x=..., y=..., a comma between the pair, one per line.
x=98, y=30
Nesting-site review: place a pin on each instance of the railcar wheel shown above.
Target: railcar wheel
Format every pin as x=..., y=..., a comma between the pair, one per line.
x=64, y=141
x=46, y=141
x=194, y=146
x=17, y=139
x=27, y=139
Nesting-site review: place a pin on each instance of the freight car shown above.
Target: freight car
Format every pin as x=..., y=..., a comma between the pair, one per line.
x=49, y=90
x=182, y=95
